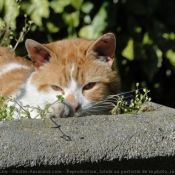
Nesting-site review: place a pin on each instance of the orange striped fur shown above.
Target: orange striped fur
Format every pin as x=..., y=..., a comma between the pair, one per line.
x=12, y=79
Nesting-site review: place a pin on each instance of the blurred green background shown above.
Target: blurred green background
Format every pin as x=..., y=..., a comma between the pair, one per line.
x=144, y=30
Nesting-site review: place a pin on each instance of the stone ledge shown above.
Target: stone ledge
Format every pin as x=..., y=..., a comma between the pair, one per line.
x=118, y=142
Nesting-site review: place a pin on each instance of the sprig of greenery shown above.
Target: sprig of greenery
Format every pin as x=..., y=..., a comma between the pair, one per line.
x=24, y=31
x=6, y=30
x=44, y=112
x=7, y=112
x=122, y=106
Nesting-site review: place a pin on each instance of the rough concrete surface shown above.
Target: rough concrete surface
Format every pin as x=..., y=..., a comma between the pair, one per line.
x=144, y=142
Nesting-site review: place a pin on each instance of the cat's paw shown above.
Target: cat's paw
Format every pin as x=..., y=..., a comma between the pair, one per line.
x=62, y=110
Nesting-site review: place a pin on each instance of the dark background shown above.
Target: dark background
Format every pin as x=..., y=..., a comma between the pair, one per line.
x=144, y=31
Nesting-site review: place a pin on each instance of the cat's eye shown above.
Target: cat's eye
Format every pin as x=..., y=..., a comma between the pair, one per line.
x=89, y=86
x=56, y=88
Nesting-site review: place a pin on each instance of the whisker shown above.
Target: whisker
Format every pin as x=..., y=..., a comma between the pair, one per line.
x=122, y=93
x=97, y=110
x=109, y=102
x=87, y=112
x=106, y=106
x=103, y=102
x=116, y=97
x=102, y=106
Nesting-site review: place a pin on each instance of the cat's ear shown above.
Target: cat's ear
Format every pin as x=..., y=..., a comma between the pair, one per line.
x=104, y=48
x=38, y=53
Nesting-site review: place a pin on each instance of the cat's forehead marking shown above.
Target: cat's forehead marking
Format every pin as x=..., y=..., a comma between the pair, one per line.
x=72, y=69
x=73, y=83
x=70, y=85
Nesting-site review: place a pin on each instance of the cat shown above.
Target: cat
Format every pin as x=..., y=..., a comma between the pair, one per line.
x=79, y=70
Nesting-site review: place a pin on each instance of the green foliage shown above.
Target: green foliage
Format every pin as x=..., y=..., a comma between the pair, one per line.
x=122, y=106
x=97, y=25
x=23, y=112
x=36, y=10
x=6, y=112
x=8, y=25
x=60, y=98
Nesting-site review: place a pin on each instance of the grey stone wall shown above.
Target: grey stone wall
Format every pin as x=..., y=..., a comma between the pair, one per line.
x=121, y=144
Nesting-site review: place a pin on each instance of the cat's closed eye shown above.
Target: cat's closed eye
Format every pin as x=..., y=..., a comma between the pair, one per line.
x=89, y=86
x=57, y=88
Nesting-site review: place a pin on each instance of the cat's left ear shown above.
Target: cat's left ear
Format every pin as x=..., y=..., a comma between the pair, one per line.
x=38, y=53
x=104, y=48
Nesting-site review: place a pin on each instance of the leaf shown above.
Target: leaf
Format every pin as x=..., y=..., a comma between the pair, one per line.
x=87, y=7
x=72, y=19
x=171, y=56
x=146, y=39
x=87, y=19
x=38, y=10
x=60, y=98
x=2, y=4
x=87, y=32
x=97, y=26
x=76, y=4
x=52, y=28
x=128, y=51
x=58, y=6
x=11, y=12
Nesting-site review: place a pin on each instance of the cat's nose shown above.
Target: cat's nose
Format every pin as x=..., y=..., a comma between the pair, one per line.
x=76, y=106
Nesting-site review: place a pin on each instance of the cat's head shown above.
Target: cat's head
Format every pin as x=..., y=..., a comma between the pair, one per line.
x=79, y=70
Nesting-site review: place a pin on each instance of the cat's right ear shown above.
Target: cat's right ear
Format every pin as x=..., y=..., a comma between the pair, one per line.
x=104, y=48
x=38, y=53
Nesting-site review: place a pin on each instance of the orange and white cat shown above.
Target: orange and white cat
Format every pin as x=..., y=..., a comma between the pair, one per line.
x=79, y=70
